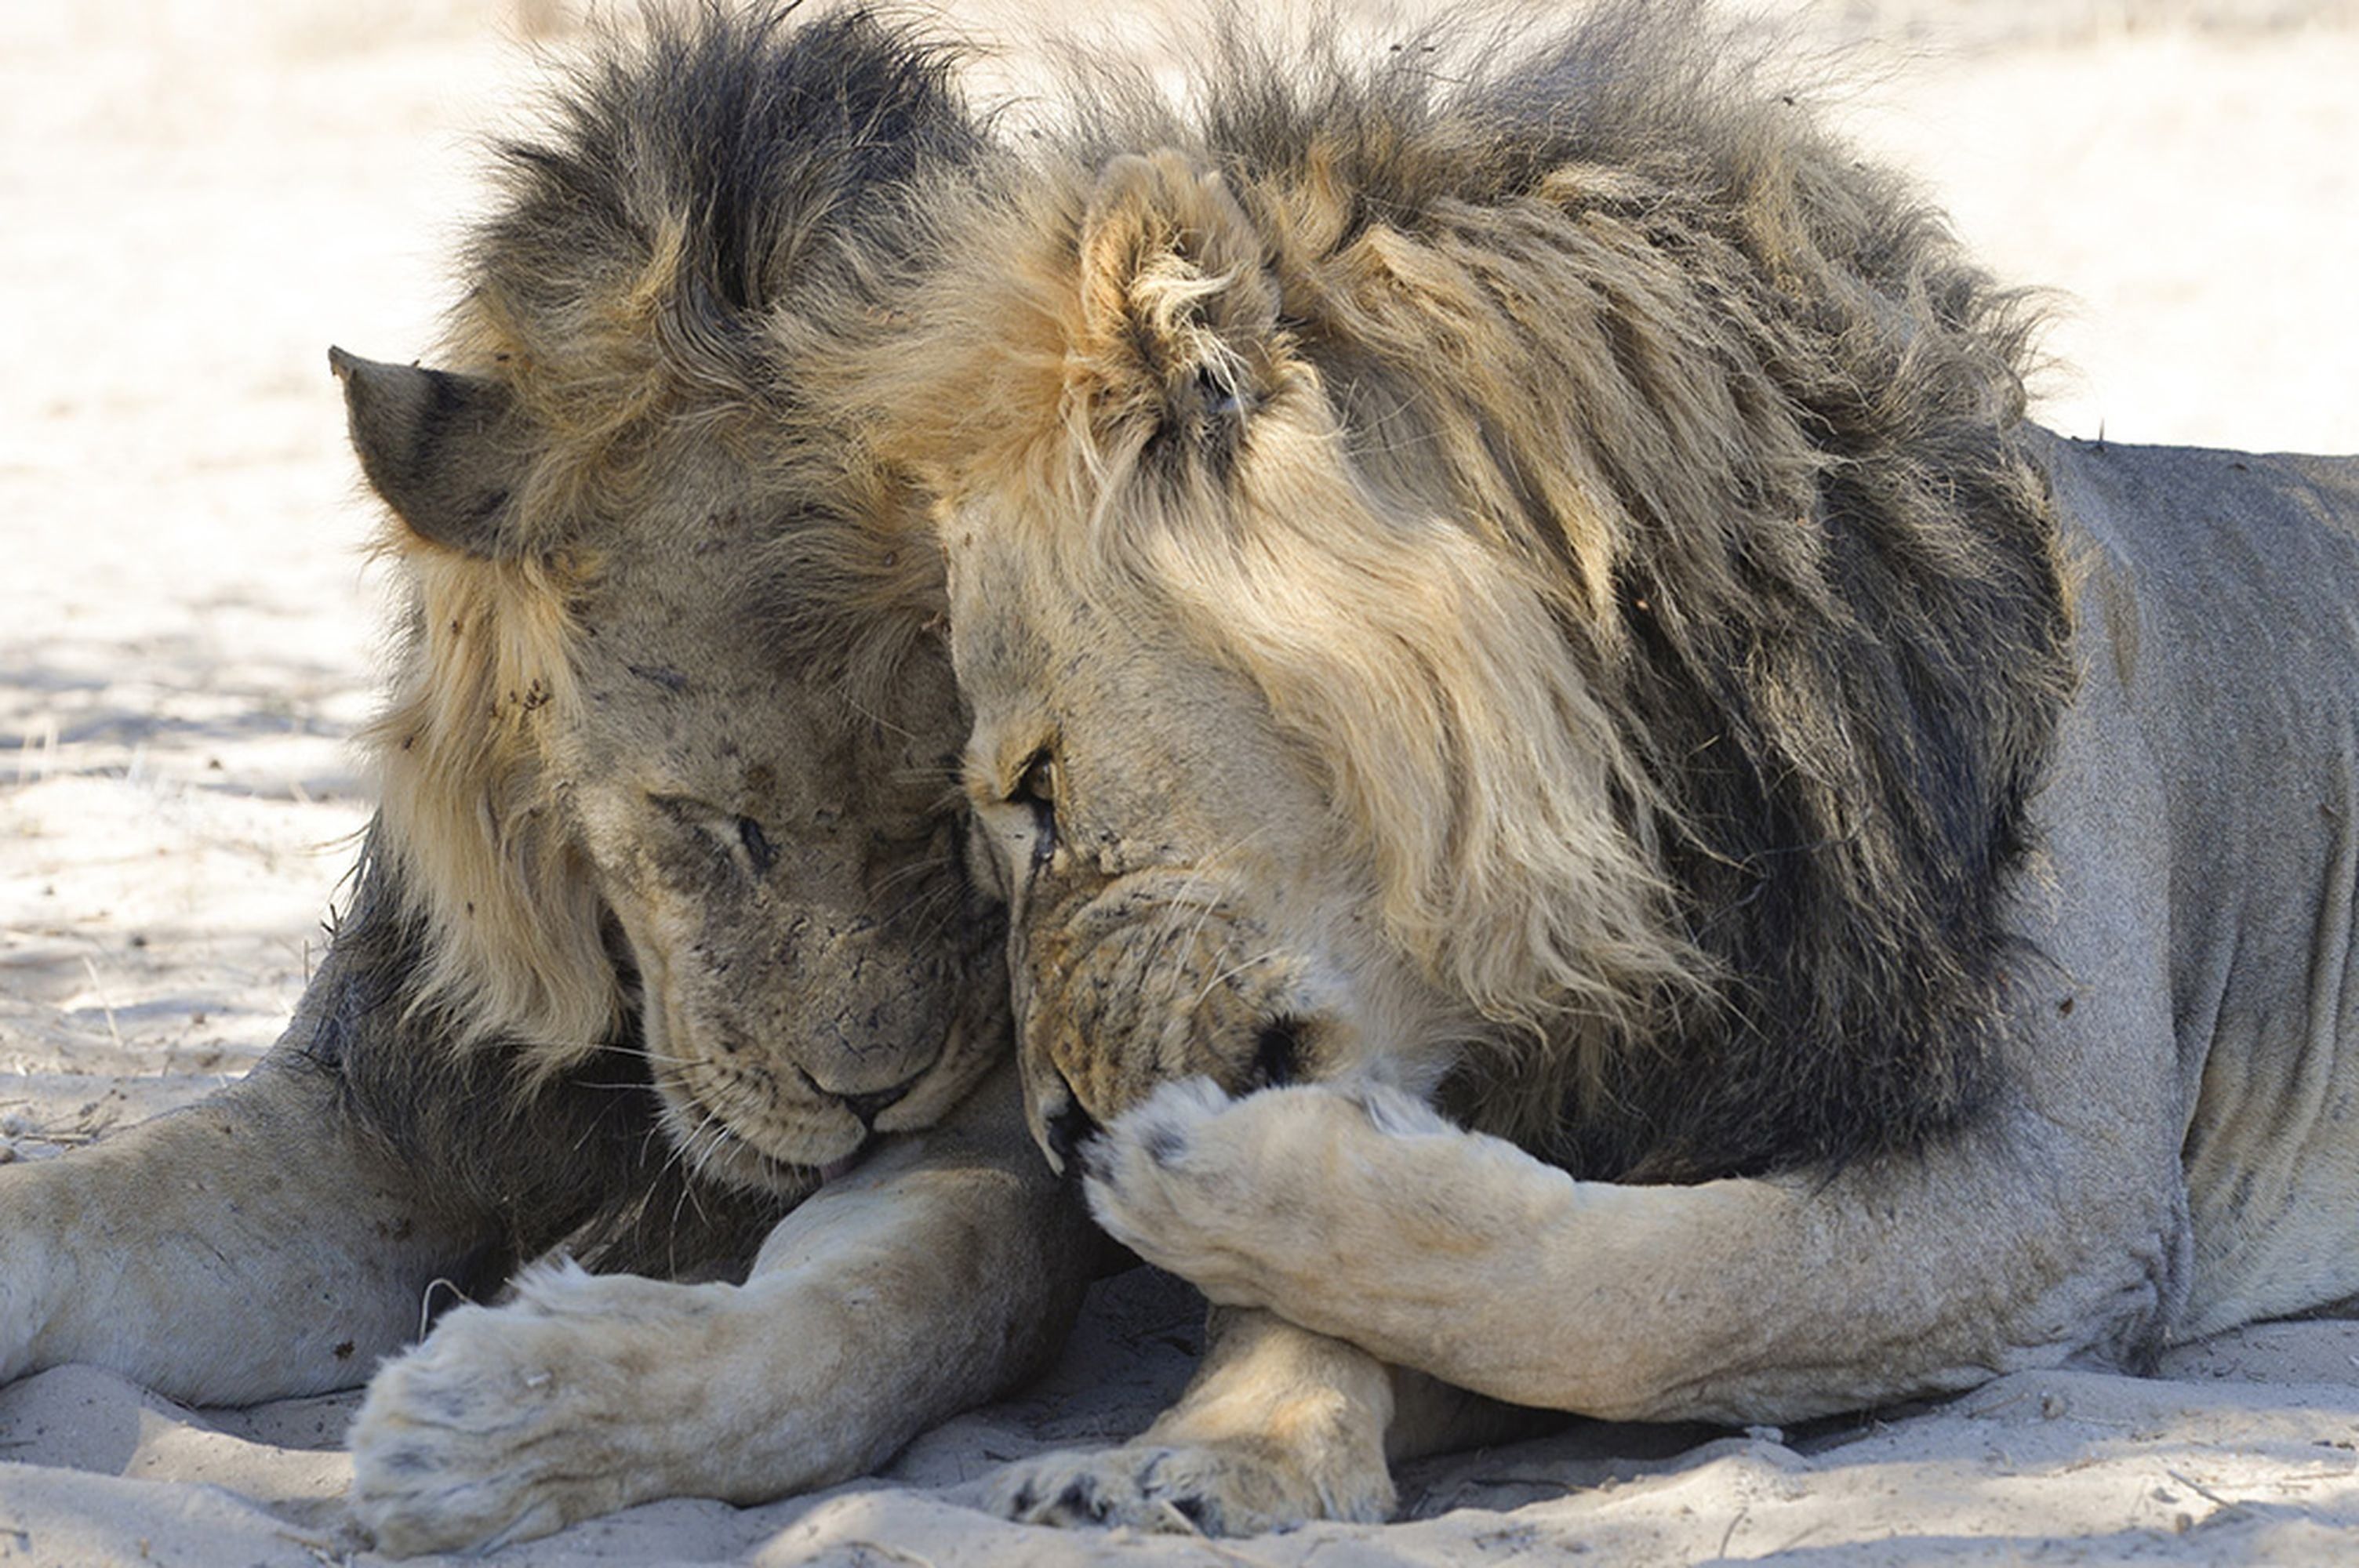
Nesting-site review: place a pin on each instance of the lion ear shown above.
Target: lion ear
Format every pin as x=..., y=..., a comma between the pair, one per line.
x=440, y=448
x=1177, y=287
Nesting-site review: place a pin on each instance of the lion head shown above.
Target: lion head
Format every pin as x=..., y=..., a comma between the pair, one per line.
x=1522, y=585
x=664, y=763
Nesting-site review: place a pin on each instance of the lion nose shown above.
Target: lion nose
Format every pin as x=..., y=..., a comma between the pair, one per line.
x=1068, y=1128
x=872, y=1105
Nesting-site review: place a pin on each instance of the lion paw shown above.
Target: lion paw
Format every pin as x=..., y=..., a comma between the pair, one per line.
x=1236, y=1487
x=1235, y=1195
x=509, y=1422
x=1165, y=1181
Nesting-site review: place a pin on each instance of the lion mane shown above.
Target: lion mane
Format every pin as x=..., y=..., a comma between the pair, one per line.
x=1695, y=628
x=689, y=175
x=709, y=193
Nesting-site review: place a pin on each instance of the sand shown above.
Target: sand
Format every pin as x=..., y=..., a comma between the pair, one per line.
x=196, y=200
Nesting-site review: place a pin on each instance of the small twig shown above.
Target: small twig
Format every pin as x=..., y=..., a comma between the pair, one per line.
x=1729, y=1533
x=322, y=1552
x=60, y=1138
x=2200, y=1490
x=426, y=1301
x=29, y=769
x=104, y=1006
x=1180, y=1522
x=895, y=1553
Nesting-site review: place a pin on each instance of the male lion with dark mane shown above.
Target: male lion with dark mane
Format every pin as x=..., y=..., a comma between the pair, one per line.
x=1672, y=857
x=662, y=919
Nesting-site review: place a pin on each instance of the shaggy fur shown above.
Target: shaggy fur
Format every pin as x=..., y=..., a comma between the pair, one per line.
x=661, y=929
x=1614, y=486
x=688, y=179
x=1529, y=586
x=637, y=278
x=571, y=1164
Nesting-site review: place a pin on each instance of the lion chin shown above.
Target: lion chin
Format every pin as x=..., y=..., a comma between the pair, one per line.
x=782, y=1133
x=780, y=1153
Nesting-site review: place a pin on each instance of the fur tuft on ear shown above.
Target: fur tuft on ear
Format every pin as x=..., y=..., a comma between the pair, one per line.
x=1178, y=302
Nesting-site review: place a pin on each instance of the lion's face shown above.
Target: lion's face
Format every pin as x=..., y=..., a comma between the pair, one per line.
x=780, y=857
x=1286, y=757
x=623, y=777
x=1185, y=898
x=1441, y=563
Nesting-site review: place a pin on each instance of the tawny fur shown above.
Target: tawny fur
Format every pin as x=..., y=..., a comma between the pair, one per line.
x=662, y=258
x=1609, y=481
x=662, y=923
x=1532, y=586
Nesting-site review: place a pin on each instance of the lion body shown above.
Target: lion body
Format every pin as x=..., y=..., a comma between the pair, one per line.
x=2219, y=627
x=661, y=917
x=2173, y=1152
x=1532, y=593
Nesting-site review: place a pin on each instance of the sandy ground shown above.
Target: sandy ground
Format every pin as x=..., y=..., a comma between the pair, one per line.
x=196, y=199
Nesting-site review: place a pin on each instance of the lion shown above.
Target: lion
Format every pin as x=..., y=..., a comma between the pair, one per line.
x=660, y=959
x=1591, y=817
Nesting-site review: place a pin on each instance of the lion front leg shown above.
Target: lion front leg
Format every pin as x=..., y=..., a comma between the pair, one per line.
x=579, y=1395
x=1279, y=1426
x=931, y=1280
x=257, y=1245
x=1368, y=1217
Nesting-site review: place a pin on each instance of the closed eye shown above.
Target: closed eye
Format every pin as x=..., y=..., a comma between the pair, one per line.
x=716, y=827
x=760, y=853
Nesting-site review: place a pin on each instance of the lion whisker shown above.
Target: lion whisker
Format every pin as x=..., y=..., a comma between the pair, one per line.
x=1231, y=973
x=1205, y=910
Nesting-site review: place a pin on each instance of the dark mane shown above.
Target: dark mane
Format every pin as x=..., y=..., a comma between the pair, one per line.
x=1846, y=687
x=772, y=145
x=771, y=140
x=694, y=188
x=578, y=1164
x=700, y=190
x=1749, y=404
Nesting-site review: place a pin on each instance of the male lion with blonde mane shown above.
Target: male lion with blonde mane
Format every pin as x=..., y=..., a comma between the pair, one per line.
x=1672, y=857
x=662, y=920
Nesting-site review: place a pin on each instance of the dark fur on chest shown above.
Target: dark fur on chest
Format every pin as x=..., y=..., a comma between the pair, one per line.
x=578, y=1163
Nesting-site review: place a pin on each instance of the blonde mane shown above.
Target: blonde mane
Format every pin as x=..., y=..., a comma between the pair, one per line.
x=514, y=944
x=1613, y=482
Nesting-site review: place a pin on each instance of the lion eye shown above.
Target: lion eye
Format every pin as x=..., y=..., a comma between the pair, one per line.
x=1036, y=787
x=758, y=848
